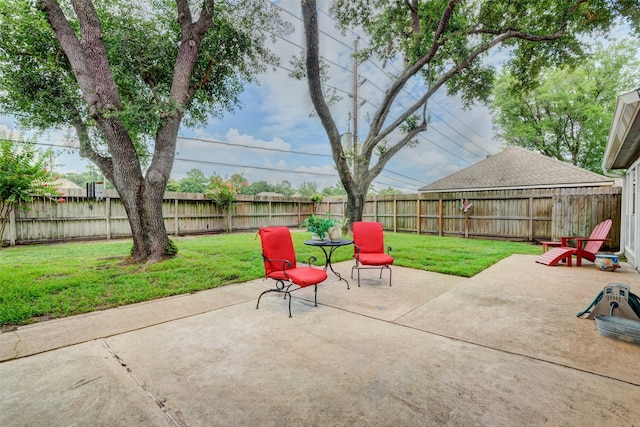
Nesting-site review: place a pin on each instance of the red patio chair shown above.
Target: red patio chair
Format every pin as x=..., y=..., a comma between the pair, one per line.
x=368, y=250
x=280, y=264
x=585, y=247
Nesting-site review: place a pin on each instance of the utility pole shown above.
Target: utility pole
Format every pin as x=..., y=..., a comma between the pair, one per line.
x=355, y=107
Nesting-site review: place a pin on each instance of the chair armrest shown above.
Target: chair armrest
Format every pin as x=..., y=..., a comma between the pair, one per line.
x=563, y=239
x=389, y=249
x=285, y=263
x=311, y=258
x=357, y=248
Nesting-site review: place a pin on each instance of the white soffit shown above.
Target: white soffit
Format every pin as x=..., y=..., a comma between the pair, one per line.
x=623, y=147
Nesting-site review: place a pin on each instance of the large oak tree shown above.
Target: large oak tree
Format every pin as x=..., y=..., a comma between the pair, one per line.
x=443, y=43
x=125, y=76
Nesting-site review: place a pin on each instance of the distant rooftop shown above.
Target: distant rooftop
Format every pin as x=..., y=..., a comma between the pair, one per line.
x=517, y=168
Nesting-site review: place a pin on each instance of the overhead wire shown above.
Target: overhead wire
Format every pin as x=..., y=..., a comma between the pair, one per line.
x=198, y=161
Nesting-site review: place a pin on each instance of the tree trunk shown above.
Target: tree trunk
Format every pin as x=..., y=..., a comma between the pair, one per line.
x=144, y=210
x=355, y=207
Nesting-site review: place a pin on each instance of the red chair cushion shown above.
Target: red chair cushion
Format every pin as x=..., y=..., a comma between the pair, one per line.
x=375, y=259
x=306, y=276
x=368, y=237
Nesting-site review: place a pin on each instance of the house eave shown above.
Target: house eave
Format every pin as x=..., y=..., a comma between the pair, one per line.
x=623, y=145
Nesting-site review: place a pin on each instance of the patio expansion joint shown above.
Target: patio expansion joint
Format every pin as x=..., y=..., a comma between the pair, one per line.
x=16, y=353
x=160, y=402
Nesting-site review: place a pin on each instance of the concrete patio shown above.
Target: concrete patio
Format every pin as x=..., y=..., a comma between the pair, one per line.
x=502, y=348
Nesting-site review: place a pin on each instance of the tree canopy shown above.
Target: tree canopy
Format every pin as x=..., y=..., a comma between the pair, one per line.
x=125, y=76
x=568, y=115
x=445, y=45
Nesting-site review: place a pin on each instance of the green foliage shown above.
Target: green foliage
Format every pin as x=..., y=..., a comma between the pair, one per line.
x=389, y=190
x=127, y=76
x=172, y=185
x=142, y=42
x=316, y=198
x=319, y=225
x=448, y=45
x=538, y=34
x=224, y=192
x=92, y=174
x=195, y=182
x=568, y=115
x=336, y=190
x=308, y=189
x=172, y=248
x=285, y=188
x=259, y=187
x=23, y=174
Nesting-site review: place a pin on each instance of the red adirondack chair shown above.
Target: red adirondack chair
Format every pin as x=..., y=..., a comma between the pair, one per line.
x=585, y=247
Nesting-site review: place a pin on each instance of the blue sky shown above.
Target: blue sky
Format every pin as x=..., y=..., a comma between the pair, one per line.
x=274, y=120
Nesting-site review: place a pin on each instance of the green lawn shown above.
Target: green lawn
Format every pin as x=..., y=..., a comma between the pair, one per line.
x=40, y=282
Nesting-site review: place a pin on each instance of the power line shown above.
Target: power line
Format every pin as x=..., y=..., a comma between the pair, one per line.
x=206, y=162
x=253, y=147
x=197, y=161
x=405, y=176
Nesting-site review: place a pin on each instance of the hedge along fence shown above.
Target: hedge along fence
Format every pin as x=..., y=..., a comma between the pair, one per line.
x=528, y=215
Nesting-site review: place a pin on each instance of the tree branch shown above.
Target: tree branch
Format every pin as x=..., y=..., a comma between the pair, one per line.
x=381, y=114
x=73, y=50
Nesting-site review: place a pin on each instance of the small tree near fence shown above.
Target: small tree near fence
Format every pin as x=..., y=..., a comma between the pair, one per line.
x=223, y=193
x=23, y=175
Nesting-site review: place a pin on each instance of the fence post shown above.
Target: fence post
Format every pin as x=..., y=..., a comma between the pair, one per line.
x=375, y=208
x=531, y=218
x=12, y=228
x=440, y=216
x=176, y=216
x=108, y=216
x=418, y=213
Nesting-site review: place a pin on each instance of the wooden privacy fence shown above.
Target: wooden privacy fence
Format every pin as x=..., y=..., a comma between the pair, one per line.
x=528, y=215
x=184, y=213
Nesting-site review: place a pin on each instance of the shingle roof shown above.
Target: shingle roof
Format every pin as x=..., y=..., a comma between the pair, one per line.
x=516, y=167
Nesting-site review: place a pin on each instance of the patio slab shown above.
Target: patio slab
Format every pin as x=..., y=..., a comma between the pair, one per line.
x=503, y=348
x=532, y=313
